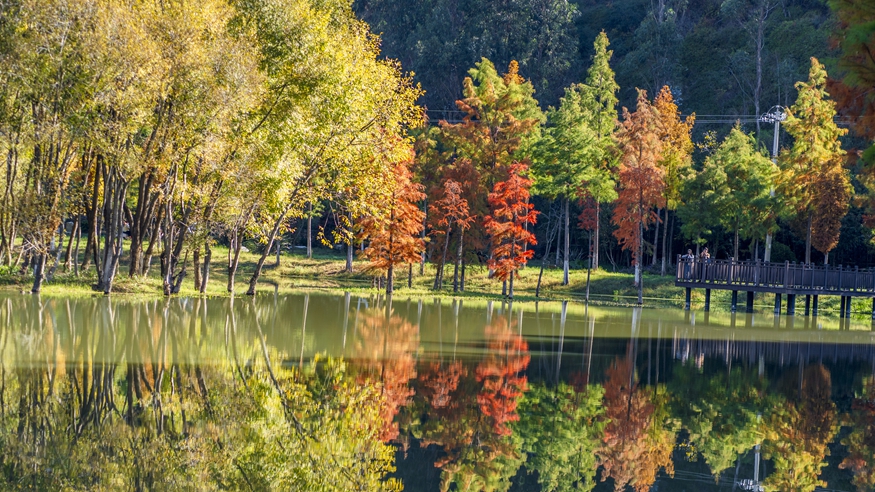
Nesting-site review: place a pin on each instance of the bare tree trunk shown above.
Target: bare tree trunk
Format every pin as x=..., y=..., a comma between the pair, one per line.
x=656, y=236
x=595, y=244
x=565, y=259
x=69, y=251
x=664, y=240
x=350, y=247
x=439, y=272
x=76, y=248
x=208, y=257
x=808, y=241
x=196, y=259
x=310, y=232
x=38, y=269
x=458, y=264
x=390, y=279
x=253, y=281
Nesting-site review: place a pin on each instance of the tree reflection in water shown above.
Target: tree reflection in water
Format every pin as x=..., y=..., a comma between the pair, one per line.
x=136, y=410
x=225, y=394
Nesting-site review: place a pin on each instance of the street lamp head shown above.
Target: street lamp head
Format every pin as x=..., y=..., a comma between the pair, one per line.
x=776, y=114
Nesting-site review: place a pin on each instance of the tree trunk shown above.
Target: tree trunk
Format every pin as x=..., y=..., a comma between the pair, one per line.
x=410, y=275
x=76, y=248
x=390, y=279
x=310, y=232
x=595, y=243
x=462, y=279
x=208, y=257
x=38, y=269
x=197, y=268
x=565, y=259
x=808, y=241
x=253, y=281
x=664, y=238
x=458, y=262
x=439, y=273
x=510, y=286
x=656, y=236
x=91, y=216
x=546, y=254
x=736, y=243
x=67, y=254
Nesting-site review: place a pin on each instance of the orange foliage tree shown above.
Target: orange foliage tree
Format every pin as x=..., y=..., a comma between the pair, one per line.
x=450, y=211
x=635, y=446
x=386, y=345
x=641, y=182
x=511, y=214
x=676, y=159
x=394, y=238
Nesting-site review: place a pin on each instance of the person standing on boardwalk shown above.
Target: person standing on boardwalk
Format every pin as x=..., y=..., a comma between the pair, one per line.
x=688, y=262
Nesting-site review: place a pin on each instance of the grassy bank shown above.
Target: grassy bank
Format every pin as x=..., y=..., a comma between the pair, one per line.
x=325, y=271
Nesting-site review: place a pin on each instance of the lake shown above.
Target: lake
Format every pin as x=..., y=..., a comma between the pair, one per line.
x=319, y=391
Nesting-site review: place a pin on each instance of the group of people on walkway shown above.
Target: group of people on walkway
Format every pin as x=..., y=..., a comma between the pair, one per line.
x=690, y=258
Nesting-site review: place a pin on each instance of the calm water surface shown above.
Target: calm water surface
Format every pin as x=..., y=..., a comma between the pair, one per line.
x=327, y=392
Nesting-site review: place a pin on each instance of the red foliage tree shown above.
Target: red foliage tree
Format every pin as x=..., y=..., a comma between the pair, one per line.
x=511, y=213
x=641, y=183
x=448, y=212
x=394, y=239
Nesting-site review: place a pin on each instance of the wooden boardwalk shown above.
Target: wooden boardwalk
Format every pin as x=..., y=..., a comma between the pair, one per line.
x=790, y=279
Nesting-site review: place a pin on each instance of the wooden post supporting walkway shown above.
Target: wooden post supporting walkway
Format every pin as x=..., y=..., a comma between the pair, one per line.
x=791, y=304
x=777, y=303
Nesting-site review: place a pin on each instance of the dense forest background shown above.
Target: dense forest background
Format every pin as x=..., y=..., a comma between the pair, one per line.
x=727, y=61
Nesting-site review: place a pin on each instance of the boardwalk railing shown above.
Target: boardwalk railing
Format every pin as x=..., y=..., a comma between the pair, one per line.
x=727, y=274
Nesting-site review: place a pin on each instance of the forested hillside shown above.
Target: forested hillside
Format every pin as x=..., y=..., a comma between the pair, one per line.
x=707, y=51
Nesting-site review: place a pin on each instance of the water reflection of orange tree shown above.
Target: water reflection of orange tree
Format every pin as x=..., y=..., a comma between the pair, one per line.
x=861, y=441
x=637, y=441
x=385, y=347
x=719, y=411
x=469, y=415
x=798, y=430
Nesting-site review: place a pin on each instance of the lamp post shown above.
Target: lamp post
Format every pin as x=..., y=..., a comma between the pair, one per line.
x=775, y=115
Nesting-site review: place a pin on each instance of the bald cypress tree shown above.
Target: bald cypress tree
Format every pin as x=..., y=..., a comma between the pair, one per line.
x=814, y=182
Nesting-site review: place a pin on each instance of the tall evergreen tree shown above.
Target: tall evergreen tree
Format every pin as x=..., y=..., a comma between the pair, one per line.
x=814, y=182
x=600, y=80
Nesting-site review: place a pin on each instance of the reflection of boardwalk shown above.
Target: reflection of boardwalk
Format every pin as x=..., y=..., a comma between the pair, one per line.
x=790, y=279
x=779, y=353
